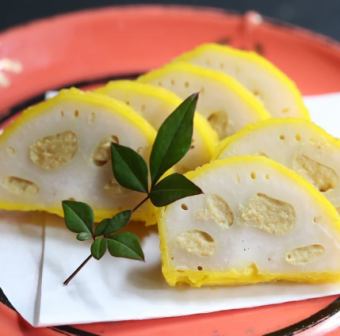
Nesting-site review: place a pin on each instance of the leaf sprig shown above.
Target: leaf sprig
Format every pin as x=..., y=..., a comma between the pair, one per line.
x=130, y=170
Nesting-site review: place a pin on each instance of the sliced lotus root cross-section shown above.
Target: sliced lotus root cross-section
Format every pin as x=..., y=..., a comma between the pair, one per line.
x=257, y=221
x=223, y=101
x=59, y=149
x=296, y=143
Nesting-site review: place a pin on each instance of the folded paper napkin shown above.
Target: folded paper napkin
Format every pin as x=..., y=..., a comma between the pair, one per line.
x=37, y=253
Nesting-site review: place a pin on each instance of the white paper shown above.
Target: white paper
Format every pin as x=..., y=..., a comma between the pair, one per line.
x=117, y=289
x=21, y=242
x=325, y=111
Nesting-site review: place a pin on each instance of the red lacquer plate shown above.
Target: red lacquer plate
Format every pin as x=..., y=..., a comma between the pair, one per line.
x=90, y=47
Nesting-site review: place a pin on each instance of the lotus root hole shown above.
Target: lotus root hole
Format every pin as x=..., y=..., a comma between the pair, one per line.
x=305, y=254
x=219, y=122
x=322, y=176
x=11, y=150
x=184, y=206
x=19, y=186
x=54, y=151
x=101, y=154
x=91, y=118
x=268, y=214
x=216, y=209
x=196, y=242
x=263, y=154
x=114, y=187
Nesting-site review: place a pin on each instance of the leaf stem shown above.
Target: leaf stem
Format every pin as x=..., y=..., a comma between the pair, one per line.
x=140, y=203
x=67, y=281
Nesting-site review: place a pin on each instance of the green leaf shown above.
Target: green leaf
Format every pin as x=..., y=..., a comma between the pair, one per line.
x=125, y=245
x=84, y=236
x=78, y=216
x=98, y=248
x=173, y=188
x=129, y=168
x=113, y=224
x=173, y=139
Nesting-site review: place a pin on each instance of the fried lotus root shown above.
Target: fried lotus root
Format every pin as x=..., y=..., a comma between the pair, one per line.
x=298, y=144
x=60, y=149
x=224, y=102
x=278, y=93
x=257, y=221
x=155, y=104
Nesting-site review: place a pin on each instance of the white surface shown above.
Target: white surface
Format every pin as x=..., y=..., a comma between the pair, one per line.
x=21, y=242
x=325, y=111
x=118, y=289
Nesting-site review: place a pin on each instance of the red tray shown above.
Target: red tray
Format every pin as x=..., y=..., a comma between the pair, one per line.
x=90, y=47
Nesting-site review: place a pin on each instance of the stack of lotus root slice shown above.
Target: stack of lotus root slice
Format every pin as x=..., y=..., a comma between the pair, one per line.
x=269, y=210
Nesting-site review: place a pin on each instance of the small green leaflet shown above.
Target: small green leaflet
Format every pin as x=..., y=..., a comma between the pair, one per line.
x=129, y=168
x=125, y=245
x=173, y=188
x=84, y=236
x=78, y=216
x=98, y=248
x=173, y=139
x=111, y=225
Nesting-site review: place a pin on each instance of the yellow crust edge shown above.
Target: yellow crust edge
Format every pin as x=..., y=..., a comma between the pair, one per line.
x=246, y=276
x=145, y=214
x=252, y=57
x=204, y=130
x=228, y=82
x=249, y=274
x=141, y=88
x=262, y=125
x=117, y=108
